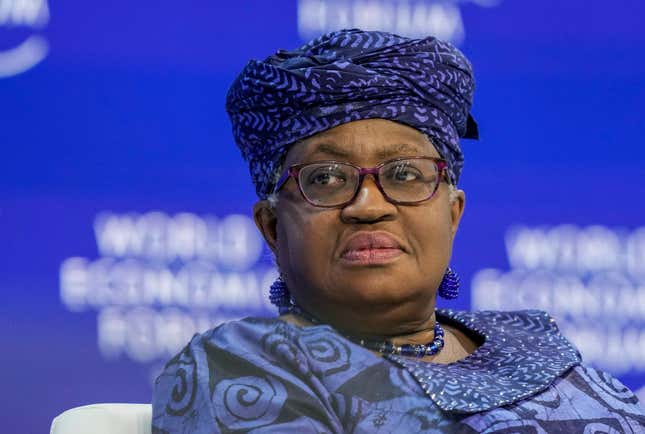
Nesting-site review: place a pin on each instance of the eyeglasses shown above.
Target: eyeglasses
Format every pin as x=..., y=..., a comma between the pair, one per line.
x=334, y=184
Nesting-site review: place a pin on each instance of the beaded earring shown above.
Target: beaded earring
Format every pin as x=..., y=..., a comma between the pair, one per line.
x=279, y=296
x=449, y=287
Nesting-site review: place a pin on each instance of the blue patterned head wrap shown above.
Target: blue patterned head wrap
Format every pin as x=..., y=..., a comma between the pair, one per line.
x=345, y=76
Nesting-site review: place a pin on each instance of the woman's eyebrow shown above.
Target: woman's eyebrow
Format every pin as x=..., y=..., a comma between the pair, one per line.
x=390, y=151
x=329, y=149
x=399, y=149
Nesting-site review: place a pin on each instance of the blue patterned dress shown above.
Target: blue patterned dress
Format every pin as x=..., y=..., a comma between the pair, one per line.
x=267, y=376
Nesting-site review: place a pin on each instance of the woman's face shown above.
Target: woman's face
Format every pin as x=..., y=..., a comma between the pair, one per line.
x=371, y=266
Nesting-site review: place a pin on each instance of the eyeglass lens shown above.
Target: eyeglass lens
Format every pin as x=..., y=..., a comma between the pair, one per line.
x=329, y=184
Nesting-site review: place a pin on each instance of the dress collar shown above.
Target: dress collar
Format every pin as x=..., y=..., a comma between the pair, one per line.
x=522, y=354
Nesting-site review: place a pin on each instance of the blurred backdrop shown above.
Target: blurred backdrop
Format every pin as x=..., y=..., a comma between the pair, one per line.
x=125, y=205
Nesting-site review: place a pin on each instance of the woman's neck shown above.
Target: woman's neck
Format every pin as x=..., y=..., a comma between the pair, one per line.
x=457, y=344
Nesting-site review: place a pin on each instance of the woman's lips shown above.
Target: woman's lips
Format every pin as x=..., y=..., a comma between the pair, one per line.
x=371, y=248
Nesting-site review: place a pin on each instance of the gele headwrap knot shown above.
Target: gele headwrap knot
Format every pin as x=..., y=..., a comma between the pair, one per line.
x=345, y=76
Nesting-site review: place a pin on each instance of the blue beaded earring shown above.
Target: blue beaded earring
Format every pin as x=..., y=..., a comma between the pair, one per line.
x=449, y=288
x=279, y=296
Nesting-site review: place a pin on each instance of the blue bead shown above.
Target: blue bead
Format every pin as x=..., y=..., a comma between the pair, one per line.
x=449, y=287
x=279, y=295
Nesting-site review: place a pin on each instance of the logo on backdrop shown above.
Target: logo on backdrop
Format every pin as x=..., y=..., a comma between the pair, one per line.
x=591, y=279
x=162, y=278
x=420, y=18
x=22, y=46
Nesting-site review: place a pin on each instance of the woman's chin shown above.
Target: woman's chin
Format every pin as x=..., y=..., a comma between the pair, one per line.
x=386, y=288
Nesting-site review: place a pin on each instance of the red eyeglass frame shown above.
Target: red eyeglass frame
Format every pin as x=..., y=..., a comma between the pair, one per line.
x=294, y=172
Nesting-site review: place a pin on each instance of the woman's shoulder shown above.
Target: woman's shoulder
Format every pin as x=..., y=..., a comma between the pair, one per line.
x=243, y=335
x=238, y=375
x=249, y=325
x=591, y=395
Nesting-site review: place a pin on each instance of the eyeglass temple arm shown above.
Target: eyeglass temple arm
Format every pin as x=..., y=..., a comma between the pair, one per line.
x=291, y=171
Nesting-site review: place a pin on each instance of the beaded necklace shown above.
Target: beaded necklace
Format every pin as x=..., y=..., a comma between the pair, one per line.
x=386, y=347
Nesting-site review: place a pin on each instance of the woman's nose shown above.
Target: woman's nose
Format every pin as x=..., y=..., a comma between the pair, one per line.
x=369, y=204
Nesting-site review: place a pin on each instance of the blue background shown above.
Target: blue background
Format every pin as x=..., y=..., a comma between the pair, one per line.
x=127, y=114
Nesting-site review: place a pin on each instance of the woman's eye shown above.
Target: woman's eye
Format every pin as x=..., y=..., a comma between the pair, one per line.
x=326, y=178
x=404, y=174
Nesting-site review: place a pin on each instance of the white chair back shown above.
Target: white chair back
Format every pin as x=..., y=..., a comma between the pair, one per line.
x=104, y=419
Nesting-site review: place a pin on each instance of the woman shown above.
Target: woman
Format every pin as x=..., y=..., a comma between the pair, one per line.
x=353, y=145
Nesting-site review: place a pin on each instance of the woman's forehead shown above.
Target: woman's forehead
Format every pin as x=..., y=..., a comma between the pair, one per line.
x=366, y=140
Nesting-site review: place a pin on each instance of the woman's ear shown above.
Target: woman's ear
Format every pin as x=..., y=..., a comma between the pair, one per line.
x=457, y=205
x=266, y=221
